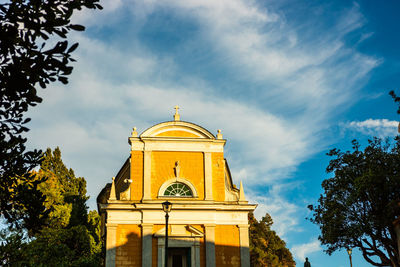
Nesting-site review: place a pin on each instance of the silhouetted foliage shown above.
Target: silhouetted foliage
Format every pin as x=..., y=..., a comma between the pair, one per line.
x=12, y=246
x=361, y=201
x=396, y=99
x=28, y=59
x=266, y=247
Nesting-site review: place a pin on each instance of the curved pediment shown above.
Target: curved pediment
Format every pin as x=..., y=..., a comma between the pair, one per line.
x=177, y=129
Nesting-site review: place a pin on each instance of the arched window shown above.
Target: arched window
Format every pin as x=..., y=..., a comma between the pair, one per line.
x=178, y=190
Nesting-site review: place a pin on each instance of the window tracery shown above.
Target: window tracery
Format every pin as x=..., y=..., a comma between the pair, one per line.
x=178, y=190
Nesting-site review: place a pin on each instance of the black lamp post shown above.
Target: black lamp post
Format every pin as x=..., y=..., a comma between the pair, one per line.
x=349, y=252
x=166, y=208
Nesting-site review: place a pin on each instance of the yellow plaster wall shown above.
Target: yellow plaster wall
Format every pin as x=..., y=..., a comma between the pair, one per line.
x=158, y=227
x=129, y=246
x=136, y=175
x=162, y=169
x=120, y=185
x=227, y=246
x=177, y=134
x=218, y=176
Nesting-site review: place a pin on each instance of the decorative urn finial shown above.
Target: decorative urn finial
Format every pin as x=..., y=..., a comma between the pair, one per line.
x=219, y=134
x=134, y=132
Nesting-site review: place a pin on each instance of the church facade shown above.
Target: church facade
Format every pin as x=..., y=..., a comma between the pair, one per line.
x=184, y=164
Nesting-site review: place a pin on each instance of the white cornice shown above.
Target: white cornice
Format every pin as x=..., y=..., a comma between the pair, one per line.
x=173, y=144
x=156, y=205
x=177, y=125
x=179, y=217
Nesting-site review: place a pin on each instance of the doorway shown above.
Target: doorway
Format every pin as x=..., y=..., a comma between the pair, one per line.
x=179, y=257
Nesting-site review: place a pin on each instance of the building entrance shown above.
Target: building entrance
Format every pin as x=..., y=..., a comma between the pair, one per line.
x=179, y=257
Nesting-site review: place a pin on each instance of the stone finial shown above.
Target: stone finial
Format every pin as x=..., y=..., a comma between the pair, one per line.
x=134, y=132
x=177, y=117
x=219, y=134
x=242, y=197
x=113, y=195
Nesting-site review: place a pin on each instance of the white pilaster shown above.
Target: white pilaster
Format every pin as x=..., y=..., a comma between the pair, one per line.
x=244, y=245
x=147, y=175
x=210, y=245
x=147, y=230
x=208, y=176
x=111, y=243
x=161, y=252
x=196, y=252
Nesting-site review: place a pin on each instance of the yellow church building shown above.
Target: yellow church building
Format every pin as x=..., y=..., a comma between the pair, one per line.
x=182, y=163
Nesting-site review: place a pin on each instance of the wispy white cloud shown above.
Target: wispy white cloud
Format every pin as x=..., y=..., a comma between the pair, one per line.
x=258, y=44
x=262, y=46
x=304, y=250
x=365, y=36
x=374, y=127
x=292, y=81
x=285, y=214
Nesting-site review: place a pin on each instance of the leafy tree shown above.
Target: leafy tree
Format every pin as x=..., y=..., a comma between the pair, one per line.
x=65, y=194
x=71, y=236
x=361, y=201
x=266, y=247
x=33, y=52
x=11, y=247
x=396, y=99
x=70, y=228
x=73, y=247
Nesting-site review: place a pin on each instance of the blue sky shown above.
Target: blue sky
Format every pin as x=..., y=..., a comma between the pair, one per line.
x=285, y=81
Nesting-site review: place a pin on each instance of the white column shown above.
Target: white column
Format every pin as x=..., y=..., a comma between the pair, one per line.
x=210, y=245
x=244, y=245
x=208, y=176
x=111, y=243
x=147, y=230
x=160, y=253
x=196, y=250
x=147, y=176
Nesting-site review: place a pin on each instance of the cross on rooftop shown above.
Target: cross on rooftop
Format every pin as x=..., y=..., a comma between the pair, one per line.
x=176, y=115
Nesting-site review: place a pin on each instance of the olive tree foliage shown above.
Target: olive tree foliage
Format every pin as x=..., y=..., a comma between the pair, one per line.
x=71, y=235
x=361, y=201
x=33, y=53
x=266, y=247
